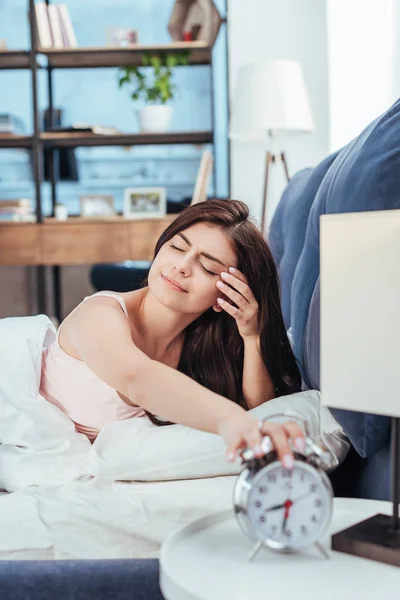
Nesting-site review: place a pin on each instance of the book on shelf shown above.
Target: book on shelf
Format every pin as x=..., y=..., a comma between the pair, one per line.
x=10, y=124
x=45, y=39
x=98, y=129
x=54, y=26
x=17, y=210
x=85, y=128
x=68, y=32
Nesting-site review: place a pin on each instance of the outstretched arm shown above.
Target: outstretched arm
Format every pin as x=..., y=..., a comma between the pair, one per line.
x=100, y=333
x=257, y=383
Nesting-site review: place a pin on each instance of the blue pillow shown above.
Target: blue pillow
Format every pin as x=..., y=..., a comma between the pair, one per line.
x=289, y=224
x=364, y=176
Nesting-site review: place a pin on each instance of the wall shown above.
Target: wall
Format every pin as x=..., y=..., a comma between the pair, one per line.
x=362, y=54
x=364, y=61
x=294, y=29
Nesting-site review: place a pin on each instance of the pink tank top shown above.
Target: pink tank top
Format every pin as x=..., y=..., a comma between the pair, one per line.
x=69, y=384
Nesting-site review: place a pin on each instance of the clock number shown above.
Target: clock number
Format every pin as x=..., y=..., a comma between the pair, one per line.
x=258, y=504
x=287, y=473
x=318, y=503
x=303, y=530
x=262, y=519
x=272, y=477
x=273, y=529
x=302, y=477
x=313, y=487
x=263, y=489
x=314, y=518
x=288, y=533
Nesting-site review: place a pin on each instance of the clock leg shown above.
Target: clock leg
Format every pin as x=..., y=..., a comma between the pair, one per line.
x=255, y=550
x=322, y=550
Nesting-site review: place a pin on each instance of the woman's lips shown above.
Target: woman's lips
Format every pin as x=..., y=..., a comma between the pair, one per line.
x=175, y=286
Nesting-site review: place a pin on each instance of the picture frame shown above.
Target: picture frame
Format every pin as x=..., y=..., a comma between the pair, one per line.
x=145, y=202
x=97, y=205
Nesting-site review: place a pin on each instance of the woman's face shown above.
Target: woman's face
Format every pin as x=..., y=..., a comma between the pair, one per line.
x=184, y=273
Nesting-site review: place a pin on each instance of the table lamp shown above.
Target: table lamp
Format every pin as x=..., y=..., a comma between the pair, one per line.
x=360, y=356
x=270, y=99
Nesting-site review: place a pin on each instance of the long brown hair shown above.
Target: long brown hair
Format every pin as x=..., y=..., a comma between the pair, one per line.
x=213, y=351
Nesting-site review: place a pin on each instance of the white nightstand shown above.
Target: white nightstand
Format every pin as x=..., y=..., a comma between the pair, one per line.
x=207, y=560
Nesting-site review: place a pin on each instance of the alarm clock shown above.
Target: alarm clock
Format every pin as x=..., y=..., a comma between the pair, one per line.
x=285, y=509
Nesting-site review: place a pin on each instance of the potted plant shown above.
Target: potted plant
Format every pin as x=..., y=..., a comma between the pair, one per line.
x=153, y=83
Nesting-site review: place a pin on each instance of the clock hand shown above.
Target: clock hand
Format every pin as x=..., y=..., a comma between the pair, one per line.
x=288, y=504
x=285, y=504
x=301, y=497
x=276, y=507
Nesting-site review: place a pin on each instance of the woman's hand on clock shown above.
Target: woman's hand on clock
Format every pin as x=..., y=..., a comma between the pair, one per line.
x=244, y=431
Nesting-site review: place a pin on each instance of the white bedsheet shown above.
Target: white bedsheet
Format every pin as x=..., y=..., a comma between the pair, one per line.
x=65, y=499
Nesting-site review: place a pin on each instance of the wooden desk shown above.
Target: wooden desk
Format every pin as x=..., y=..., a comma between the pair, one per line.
x=79, y=241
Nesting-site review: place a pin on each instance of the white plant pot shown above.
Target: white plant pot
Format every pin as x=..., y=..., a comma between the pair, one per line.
x=155, y=118
x=61, y=212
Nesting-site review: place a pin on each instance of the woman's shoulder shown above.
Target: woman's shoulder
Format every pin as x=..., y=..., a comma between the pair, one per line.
x=84, y=313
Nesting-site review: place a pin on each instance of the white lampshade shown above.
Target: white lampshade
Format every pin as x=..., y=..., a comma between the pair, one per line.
x=269, y=96
x=360, y=311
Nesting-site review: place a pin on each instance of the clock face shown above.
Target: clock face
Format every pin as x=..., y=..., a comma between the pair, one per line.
x=289, y=509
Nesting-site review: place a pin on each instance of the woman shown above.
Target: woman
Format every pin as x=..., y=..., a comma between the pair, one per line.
x=199, y=345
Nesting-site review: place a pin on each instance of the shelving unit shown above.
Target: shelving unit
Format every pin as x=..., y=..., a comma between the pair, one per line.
x=14, y=59
x=91, y=58
x=15, y=141
x=80, y=58
x=69, y=140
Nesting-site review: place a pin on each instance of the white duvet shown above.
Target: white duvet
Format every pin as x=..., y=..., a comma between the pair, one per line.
x=120, y=497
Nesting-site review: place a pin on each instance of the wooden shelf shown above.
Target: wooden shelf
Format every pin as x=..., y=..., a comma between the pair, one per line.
x=14, y=59
x=8, y=140
x=113, y=220
x=79, y=241
x=91, y=58
x=72, y=139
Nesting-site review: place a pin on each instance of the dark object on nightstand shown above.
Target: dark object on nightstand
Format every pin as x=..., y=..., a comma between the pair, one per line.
x=377, y=538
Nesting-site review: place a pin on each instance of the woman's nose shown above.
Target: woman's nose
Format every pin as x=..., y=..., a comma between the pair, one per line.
x=183, y=265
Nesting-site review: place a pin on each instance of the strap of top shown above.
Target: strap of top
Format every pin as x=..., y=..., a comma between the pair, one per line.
x=107, y=294
x=110, y=295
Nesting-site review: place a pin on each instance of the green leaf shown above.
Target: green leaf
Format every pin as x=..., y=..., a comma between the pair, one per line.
x=156, y=83
x=172, y=60
x=146, y=59
x=155, y=62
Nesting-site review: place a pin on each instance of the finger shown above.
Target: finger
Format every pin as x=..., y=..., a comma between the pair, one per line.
x=232, y=294
x=279, y=439
x=253, y=438
x=232, y=310
x=296, y=434
x=234, y=271
x=239, y=285
x=234, y=448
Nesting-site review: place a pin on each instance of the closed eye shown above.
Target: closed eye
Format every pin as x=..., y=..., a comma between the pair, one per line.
x=182, y=250
x=209, y=272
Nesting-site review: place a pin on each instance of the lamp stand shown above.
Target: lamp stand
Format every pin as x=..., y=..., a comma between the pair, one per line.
x=271, y=159
x=377, y=538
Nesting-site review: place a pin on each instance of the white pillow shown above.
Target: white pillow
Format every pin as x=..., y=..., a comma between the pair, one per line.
x=137, y=450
